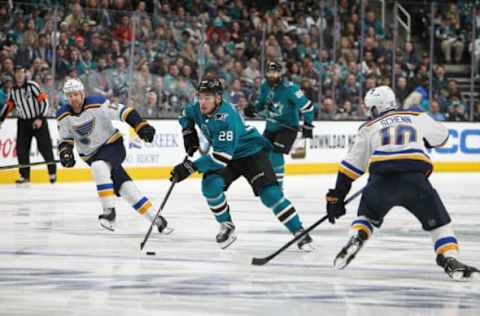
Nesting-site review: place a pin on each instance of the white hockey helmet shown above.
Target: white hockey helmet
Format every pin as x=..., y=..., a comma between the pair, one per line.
x=382, y=98
x=72, y=85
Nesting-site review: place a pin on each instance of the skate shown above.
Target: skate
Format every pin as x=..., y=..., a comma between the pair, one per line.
x=305, y=243
x=350, y=250
x=107, y=219
x=52, y=178
x=22, y=183
x=226, y=235
x=162, y=225
x=457, y=270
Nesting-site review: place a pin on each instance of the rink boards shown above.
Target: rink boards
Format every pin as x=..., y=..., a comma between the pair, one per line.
x=153, y=161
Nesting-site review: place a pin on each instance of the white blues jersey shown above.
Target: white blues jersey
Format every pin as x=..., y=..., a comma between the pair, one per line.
x=92, y=127
x=394, y=142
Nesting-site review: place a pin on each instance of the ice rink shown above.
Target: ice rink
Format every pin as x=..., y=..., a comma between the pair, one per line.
x=55, y=260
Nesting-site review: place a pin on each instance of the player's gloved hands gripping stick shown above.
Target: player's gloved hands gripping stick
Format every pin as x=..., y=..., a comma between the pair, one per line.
x=190, y=140
x=182, y=171
x=335, y=205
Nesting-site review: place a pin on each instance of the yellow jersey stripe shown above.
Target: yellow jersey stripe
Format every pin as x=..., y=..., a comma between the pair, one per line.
x=91, y=106
x=362, y=227
x=447, y=247
x=349, y=173
x=142, y=210
x=125, y=114
x=105, y=193
x=399, y=157
x=63, y=115
x=114, y=138
x=140, y=125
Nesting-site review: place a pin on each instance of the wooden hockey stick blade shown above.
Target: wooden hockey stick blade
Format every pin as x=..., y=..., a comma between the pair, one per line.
x=265, y=260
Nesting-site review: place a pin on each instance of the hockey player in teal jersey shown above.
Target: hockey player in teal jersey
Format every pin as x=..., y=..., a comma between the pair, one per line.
x=237, y=150
x=284, y=104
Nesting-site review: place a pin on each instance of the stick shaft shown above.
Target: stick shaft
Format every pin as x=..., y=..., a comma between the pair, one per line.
x=29, y=165
x=147, y=235
x=262, y=261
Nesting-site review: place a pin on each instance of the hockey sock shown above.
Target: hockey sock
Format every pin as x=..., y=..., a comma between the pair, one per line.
x=139, y=202
x=278, y=164
x=272, y=197
x=444, y=241
x=212, y=189
x=362, y=223
x=101, y=174
x=219, y=206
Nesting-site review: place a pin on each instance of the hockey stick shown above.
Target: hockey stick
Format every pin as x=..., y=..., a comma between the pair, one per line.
x=263, y=261
x=29, y=165
x=280, y=124
x=145, y=239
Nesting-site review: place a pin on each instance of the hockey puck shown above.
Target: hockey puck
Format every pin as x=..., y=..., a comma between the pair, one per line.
x=150, y=253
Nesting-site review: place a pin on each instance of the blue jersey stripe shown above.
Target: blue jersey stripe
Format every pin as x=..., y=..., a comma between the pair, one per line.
x=351, y=167
x=406, y=151
x=446, y=240
x=140, y=203
x=101, y=187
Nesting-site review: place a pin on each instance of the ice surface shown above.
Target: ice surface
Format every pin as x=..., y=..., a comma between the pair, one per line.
x=55, y=260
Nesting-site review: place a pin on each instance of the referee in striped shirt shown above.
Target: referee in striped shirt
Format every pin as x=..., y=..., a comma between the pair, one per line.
x=31, y=104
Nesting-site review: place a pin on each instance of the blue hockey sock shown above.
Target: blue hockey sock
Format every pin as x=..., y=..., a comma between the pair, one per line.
x=273, y=198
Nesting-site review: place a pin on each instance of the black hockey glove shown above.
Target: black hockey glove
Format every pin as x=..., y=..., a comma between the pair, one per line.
x=335, y=205
x=66, y=158
x=182, y=171
x=249, y=111
x=307, y=131
x=190, y=140
x=146, y=133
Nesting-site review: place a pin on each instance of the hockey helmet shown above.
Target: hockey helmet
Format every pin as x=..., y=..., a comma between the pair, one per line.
x=210, y=85
x=382, y=99
x=73, y=85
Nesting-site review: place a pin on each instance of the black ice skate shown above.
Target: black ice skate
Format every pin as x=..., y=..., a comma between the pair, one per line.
x=52, y=178
x=305, y=243
x=107, y=219
x=350, y=250
x=162, y=225
x=22, y=183
x=457, y=270
x=226, y=235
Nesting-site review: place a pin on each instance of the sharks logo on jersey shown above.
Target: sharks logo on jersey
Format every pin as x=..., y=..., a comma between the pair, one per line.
x=221, y=116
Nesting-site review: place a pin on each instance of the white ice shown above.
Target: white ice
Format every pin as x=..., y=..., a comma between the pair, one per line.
x=55, y=260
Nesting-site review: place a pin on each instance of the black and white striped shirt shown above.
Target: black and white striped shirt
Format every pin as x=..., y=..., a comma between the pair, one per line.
x=29, y=101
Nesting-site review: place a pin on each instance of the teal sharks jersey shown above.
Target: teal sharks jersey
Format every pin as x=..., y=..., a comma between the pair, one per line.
x=285, y=104
x=227, y=134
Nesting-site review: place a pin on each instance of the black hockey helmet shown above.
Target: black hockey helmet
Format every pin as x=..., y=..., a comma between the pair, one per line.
x=273, y=73
x=274, y=66
x=209, y=84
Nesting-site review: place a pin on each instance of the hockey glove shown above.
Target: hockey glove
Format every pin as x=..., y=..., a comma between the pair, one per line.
x=182, y=171
x=307, y=131
x=249, y=111
x=66, y=157
x=190, y=140
x=146, y=133
x=335, y=206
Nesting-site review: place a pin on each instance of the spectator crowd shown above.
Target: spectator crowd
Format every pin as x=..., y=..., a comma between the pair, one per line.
x=151, y=54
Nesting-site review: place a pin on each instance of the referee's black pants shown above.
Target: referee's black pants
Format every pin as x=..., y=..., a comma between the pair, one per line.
x=25, y=133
